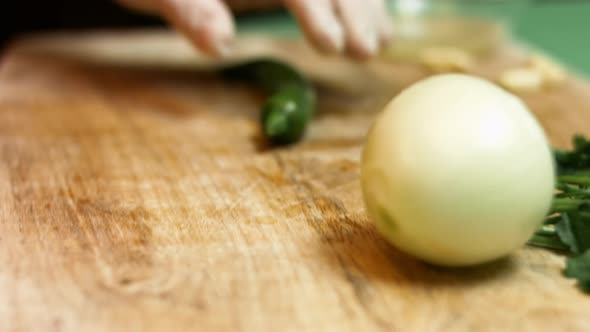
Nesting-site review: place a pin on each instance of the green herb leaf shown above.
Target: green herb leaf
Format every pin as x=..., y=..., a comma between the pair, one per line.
x=564, y=231
x=574, y=230
x=552, y=220
x=567, y=204
x=548, y=242
x=584, y=285
x=574, y=178
x=578, y=158
x=567, y=226
x=571, y=191
x=579, y=268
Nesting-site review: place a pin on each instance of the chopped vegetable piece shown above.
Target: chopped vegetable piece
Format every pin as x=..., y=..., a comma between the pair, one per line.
x=579, y=268
x=552, y=72
x=574, y=230
x=548, y=242
x=521, y=80
x=572, y=202
x=289, y=108
x=446, y=59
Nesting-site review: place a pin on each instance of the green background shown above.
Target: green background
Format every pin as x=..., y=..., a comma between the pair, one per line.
x=559, y=27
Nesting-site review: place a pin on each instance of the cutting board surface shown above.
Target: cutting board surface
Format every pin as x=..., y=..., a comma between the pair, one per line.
x=137, y=195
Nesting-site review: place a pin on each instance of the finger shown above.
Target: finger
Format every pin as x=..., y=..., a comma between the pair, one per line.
x=385, y=27
x=319, y=23
x=207, y=23
x=360, y=19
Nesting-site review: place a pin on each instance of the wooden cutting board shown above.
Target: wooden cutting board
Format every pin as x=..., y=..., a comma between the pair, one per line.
x=137, y=195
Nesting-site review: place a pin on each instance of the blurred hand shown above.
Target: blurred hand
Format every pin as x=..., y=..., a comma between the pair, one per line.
x=357, y=28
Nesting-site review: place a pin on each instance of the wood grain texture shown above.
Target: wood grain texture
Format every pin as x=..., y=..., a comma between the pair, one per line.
x=136, y=199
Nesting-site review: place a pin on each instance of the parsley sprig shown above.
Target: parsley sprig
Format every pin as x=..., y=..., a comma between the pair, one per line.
x=567, y=227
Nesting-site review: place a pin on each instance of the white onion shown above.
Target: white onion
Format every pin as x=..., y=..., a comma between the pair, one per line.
x=457, y=171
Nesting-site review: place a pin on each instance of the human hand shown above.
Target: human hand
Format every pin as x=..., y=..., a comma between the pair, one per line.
x=356, y=28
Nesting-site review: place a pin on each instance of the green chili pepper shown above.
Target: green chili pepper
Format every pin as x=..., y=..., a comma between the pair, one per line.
x=290, y=104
